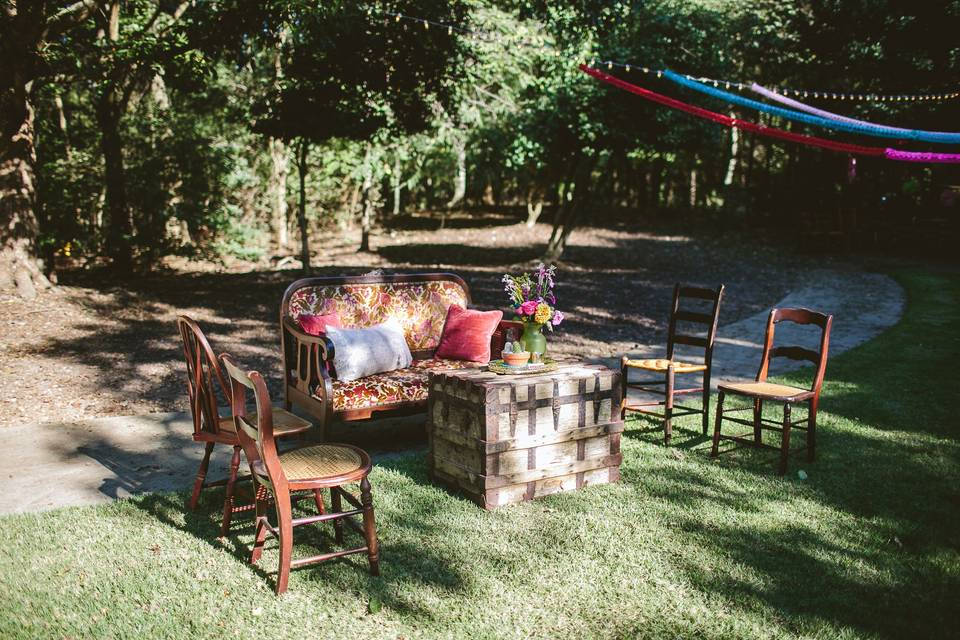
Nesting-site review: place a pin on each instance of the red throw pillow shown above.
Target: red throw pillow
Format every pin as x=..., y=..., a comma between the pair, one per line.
x=467, y=333
x=317, y=325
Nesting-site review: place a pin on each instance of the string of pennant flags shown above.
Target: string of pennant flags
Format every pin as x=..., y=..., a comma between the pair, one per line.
x=797, y=111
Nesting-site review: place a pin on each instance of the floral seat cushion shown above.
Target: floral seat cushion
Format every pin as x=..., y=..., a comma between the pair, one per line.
x=401, y=386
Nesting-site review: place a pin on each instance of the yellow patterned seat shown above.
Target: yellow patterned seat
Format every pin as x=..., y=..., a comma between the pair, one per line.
x=314, y=462
x=660, y=364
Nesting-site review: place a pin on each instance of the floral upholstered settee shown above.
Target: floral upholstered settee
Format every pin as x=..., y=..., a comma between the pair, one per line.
x=418, y=301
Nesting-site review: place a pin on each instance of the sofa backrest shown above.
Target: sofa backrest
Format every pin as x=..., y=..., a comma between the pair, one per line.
x=419, y=301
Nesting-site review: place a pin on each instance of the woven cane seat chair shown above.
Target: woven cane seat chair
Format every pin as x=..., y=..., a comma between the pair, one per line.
x=762, y=391
x=660, y=364
x=310, y=468
x=691, y=325
x=315, y=462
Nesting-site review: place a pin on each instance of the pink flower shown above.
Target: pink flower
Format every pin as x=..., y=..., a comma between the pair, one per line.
x=527, y=308
x=557, y=318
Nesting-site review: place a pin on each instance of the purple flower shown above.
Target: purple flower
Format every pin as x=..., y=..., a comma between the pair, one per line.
x=557, y=318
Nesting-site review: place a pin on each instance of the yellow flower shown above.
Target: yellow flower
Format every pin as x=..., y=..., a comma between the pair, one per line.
x=543, y=313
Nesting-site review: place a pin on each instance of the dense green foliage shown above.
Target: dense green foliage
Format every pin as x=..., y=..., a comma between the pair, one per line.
x=174, y=131
x=684, y=546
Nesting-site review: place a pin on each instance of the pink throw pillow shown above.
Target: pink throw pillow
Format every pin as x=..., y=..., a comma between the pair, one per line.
x=317, y=325
x=467, y=333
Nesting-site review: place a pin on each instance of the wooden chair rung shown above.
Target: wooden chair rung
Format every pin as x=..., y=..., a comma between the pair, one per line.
x=323, y=557
x=323, y=517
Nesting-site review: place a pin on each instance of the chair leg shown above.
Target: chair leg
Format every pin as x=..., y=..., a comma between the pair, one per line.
x=370, y=527
x=318, y=498
x=260, y=534
x=716, y=427
x=706, y=402
x=201, y=476
x=624, y=372
x=285, y=520
x=337, y=507
x=785, y=445
x=228, y=499
x=812, y=434
x=757, y=424
x=668, y=407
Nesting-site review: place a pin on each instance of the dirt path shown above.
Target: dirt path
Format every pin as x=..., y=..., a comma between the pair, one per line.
x=94, y=348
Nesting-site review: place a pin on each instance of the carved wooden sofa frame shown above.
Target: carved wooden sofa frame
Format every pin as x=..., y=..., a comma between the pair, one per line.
x=307, y=359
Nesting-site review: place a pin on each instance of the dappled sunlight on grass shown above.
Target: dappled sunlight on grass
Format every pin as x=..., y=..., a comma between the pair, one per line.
x=684, y=545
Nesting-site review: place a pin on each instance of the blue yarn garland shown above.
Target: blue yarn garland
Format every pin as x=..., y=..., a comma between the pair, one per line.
x=870, y=130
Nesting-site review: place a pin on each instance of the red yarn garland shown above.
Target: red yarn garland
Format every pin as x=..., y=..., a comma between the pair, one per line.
x=770, y=132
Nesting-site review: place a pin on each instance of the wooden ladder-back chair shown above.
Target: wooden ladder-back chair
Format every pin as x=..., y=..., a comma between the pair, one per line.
x=303, y=468
x=670, y=367
x=761, y=390
x=204, y=378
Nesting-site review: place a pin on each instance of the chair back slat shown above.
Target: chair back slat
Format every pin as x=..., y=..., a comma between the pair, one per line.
x=697, y=292
x=687, y=316
x=795, y=353
x=256, y=436
x=691, y=316
x=818, y=358
x=801, y=316
x=204, y=377
x=693, y=341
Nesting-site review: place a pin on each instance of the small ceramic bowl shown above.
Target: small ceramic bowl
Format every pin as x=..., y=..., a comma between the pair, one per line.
x=516, y=359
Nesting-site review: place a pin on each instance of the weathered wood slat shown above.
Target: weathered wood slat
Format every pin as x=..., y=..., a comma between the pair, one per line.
x=511, y=494
x=499, y=446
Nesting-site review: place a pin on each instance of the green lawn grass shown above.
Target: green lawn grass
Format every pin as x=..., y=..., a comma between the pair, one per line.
x=684, y=545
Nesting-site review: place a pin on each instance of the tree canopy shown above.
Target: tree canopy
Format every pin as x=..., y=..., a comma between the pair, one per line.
x=135, y=129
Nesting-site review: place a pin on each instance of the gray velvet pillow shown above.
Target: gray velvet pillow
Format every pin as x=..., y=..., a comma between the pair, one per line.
x=358, y=353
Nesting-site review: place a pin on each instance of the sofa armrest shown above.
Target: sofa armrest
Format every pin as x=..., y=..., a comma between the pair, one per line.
x=309, y=357
x=499, y=337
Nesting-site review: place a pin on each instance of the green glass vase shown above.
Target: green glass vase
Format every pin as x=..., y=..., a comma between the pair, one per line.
x=533, y=339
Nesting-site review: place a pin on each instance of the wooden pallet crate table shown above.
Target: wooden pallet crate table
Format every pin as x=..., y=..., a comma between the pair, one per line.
x=508, y=439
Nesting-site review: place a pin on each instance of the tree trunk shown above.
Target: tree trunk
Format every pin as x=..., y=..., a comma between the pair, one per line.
x=460, y=181
x=534, y=206
x=20, y=271
x=368, y=202
x=277, y=187
x=569, y=215
x=279, y=160
x=397, y=185
x=303, y=150
x=693, y=185
x=734, y=154
x=110, y=108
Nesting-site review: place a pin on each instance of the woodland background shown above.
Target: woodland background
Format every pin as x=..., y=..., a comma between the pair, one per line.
x=136, y=130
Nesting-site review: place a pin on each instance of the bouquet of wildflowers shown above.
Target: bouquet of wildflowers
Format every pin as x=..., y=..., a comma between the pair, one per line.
x=532, y=296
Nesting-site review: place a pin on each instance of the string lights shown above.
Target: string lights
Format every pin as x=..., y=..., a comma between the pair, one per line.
x=773, y=132
x=497, y=38
x=828, y=121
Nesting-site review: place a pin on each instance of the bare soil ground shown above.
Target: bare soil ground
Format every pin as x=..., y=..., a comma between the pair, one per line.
x=96, y=347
